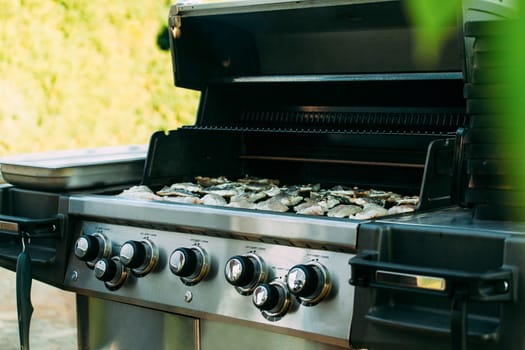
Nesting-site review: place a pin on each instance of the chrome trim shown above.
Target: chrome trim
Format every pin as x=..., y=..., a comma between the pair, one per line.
x=120, y=277
x=260, y=274
x=411, y=280
x=276, y=315
x=193, y=8
x=347, y=77
x=8, y=226
x=322, y=290
x=150, y=261
x=105, y=252
x=203, y=267
x=106, y=244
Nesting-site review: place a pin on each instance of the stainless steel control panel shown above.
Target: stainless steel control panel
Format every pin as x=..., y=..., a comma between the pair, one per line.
x=294, y=290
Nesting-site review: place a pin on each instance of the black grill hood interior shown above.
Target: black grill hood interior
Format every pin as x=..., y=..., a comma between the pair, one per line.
x=217, y=41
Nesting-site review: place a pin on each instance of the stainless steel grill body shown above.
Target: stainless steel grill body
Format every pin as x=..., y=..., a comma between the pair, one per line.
x=282, y=241
x=304, y=92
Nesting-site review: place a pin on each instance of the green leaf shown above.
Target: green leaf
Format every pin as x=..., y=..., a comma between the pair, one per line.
x=434, y=21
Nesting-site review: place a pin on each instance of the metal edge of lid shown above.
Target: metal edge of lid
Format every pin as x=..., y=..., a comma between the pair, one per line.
x=288, y=227
x=198, y=8
x=452, y=75
x=457, y=219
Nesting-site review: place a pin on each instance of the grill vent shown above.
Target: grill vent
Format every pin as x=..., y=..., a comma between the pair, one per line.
x=353, y=122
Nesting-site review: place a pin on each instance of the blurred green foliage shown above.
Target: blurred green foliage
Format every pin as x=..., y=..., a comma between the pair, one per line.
x=85, y=73
x=509, y=123
x=437, y=19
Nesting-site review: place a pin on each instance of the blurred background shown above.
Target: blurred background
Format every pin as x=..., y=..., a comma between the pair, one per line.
x=85, y=74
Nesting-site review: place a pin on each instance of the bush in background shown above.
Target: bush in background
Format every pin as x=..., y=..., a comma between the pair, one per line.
x=85, y=73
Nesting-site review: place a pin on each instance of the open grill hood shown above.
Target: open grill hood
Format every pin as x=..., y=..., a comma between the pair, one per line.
x=273, y=38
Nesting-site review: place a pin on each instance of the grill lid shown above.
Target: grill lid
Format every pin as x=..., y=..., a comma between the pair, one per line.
x=223, y=40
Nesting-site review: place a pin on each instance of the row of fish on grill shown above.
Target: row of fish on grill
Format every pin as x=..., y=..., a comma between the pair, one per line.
x=267, y=194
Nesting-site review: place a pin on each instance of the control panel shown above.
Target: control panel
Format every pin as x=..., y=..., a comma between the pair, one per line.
x=297, y=288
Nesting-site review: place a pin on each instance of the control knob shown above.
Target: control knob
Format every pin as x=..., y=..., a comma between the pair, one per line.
x=309, y=282
x=190, y=264
x=273, y=299
x=140, y=256
x=90, y=248
x=111, y=272
x=245, y=272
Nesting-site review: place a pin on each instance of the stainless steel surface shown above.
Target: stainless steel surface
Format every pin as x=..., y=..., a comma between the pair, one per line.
x=74, y=169
x=226, y=336
x=348, y=77
x=247, y=224
x=214, y=298
x=106, y=325
x=199, y=8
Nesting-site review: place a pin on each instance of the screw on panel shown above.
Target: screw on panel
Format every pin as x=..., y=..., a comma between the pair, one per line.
x=74, y=276
x=188, y=296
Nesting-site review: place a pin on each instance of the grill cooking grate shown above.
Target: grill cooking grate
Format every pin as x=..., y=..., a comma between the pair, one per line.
x=363, y=121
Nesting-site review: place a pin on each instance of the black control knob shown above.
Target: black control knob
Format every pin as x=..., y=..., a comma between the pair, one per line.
x=245, y=272
x=87, y=248
x=190, y=264
x=272, y=299
x=309, y=282
x=106, y=269
x=183, y=262
x=302, y=280
x=140, y=256
x=133, y=254
x=92, y=247
x=111, y=272
x=266, y=296
x=239, y=270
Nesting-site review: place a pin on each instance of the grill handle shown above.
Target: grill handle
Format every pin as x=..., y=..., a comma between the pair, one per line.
x=367, y=271
x=14, y=228
x=460, y=286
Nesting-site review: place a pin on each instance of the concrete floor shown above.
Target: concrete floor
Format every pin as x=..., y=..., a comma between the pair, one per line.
x=53, y=325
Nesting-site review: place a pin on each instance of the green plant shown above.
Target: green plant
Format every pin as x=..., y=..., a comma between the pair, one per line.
x=85, y=73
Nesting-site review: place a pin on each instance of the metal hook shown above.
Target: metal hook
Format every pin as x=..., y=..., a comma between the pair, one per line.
x=24, y=236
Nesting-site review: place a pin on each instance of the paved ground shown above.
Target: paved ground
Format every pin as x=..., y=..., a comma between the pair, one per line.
x=53, y=325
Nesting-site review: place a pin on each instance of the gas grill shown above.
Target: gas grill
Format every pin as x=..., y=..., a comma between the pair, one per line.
x=305, y=92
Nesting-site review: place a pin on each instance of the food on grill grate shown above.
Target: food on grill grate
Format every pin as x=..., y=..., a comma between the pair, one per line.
x=213, y=199
x=266, y=194
x=344, y=211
